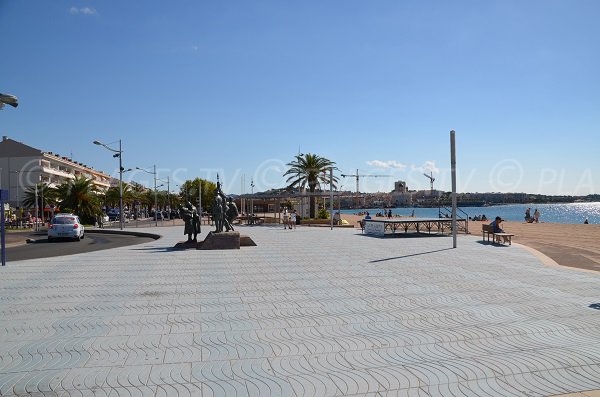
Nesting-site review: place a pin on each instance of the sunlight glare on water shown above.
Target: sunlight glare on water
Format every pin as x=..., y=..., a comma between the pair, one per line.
x=571, y=213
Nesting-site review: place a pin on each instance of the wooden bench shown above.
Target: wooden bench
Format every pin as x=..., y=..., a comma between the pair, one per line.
x=488, y=230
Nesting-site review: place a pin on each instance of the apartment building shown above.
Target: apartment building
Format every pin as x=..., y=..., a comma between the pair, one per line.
x=22, y=166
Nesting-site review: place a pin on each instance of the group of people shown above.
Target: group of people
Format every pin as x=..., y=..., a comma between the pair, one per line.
x=385, y=214
x=480, y=218
x=289, y=219
x=532, y=219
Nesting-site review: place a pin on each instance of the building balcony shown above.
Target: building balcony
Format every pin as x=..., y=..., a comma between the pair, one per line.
x=57, y=172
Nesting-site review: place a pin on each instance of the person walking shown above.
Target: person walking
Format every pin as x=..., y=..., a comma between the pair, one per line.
x=285, y=218
x=293, y=219
x=536, y=216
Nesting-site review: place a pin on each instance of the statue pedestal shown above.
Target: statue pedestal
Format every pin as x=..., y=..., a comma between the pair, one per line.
x=221, y=241
x=218, y=241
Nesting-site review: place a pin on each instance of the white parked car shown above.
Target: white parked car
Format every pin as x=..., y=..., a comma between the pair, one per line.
x=65, y=226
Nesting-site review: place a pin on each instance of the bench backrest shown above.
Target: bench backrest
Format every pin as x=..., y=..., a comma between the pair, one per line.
x=487, y=228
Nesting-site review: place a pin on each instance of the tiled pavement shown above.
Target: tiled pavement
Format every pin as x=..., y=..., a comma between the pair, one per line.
x=308, y=312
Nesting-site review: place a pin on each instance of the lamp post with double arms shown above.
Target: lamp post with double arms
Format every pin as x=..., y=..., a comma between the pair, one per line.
x=168, y=194
x=119, y=154
x=155, y=191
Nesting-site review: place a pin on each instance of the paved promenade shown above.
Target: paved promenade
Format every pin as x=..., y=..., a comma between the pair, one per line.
x=308, y=312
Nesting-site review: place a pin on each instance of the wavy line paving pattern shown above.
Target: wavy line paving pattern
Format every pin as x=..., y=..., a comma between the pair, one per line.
x=309, y=312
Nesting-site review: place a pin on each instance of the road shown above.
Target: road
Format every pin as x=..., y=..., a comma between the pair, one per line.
x=41, y=248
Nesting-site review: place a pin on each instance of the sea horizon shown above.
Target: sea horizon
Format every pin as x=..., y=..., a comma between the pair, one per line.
x=565, y=213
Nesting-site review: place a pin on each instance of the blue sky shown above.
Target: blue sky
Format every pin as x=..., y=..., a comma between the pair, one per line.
x=240, y=87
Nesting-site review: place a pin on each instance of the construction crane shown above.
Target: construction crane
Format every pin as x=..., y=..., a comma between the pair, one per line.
x=358, y=176
x=431, y=179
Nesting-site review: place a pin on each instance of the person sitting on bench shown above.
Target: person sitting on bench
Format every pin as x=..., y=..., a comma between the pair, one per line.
x=497, y=229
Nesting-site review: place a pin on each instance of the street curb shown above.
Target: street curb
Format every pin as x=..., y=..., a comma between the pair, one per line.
x=124, y=232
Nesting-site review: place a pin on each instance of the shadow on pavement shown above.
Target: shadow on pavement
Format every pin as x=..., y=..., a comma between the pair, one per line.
x=408, y=256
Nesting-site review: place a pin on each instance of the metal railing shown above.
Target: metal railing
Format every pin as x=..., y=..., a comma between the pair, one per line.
x=446, y=212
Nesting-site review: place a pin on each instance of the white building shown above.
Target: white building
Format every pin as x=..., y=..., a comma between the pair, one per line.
x=22, y=167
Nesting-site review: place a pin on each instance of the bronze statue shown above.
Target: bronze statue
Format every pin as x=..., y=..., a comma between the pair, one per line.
x=232, y=211
x=217, y=213
x=224, y=210
x=192, y=221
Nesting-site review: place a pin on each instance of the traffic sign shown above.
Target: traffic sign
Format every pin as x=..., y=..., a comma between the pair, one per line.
x=3, y=194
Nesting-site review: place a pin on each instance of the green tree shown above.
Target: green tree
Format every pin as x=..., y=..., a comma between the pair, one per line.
x=111, y=197
x=80, y=197
x=189, y=191
x=310, y=170
x=44, y=192
x=323, y=213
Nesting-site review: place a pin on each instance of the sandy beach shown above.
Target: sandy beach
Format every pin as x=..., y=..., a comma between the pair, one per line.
x=568, y=245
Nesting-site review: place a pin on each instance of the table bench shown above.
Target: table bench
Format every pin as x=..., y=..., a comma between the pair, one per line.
x=361, y=224
x=488, y=230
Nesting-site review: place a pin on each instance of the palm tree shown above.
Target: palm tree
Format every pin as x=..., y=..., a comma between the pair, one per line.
x=310, y=170
x=132, y=196
x=112, y=195
x=79, y=196
x=45, y=196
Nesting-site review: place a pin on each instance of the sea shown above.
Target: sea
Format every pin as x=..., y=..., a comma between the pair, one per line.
x=571, y=213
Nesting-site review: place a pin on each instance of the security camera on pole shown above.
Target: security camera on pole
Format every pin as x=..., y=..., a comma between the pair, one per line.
x=119, y=154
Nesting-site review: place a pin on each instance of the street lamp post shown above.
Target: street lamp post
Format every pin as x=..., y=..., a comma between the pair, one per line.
x=168, y=194
x=17, y=206
x=331, y=194
x=155, y=192
x=119, y=154
x=252, y=198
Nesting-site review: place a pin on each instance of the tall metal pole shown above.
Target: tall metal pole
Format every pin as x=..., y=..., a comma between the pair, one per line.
x=252, y=197
x=453, y=165
x=170, y=201
x=3, y=195
x=120, y=186
x=20, y=210
x=241, y=192
x=155, y=200
x=331, y=194
x=36, y=208
x=200, y=204
x=43, y=206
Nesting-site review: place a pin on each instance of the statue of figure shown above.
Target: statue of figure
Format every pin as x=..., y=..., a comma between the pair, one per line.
x=232, y=211
x=192, y=221
x=217, y=213
x=224, y=210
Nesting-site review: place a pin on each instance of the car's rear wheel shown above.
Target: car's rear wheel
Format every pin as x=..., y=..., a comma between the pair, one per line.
x=50, y=239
